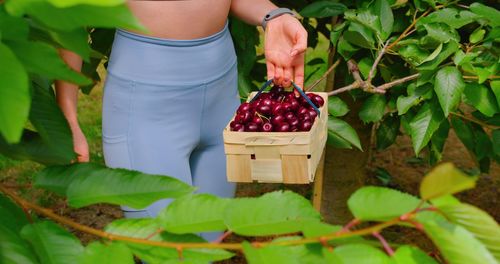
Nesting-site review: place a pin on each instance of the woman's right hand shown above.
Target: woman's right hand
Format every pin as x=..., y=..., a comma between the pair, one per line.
x=80, y=145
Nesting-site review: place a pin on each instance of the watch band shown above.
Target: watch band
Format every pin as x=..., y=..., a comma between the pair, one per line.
x=276, y=13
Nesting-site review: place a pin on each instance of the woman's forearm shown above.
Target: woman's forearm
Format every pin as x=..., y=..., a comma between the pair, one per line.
x=67, y=93
x=251, y=11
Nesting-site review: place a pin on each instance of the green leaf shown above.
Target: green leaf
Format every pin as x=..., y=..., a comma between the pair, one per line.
x=361, y=254
x=131, y=188
x=424, y=124
x=437, y=142
x=404, y=103
x=477, y=35
x=52, y=243
x=336, y=32
x=13, y=28
x=111, y=253
x=450, y=16
x=366, y=18
x=449, y=86
x=342, y=129
x=477, y=222
x=269, y=254
x=373, y=109
x=345, y=48
x=67, y=3
x=387, y=132
x=43, y=59
x=486, y=12
x=205, y=214
x=464, y=132
x=33, y=148
x=13, y=250
x=439, y=33
x=51, y=124
x=272, y=213
x=321, y=9
x=359, y=35
x=365, y=65
x=337, y=142
x=413, y=54
x=412, y=255
x=434, y=54
x=58, y=178
x=380, y=204
x=74, y=17
x=443, y=180
x=495, y=87
x=337, y=107
x=481, y=98
x=75, y=40
x=456, y=244
x=14, y=96
x=448, y=49
x=382, y=9
x=11, y=216
x=148, y=227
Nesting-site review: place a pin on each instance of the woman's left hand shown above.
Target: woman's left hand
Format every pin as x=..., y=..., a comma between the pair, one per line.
x=285, y=45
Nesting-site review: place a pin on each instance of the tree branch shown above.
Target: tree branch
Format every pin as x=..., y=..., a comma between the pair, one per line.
x=181, y=246
x=398, y=81
x=473, y=120
x=377, y=61
x=323, y=76
x=408, y=31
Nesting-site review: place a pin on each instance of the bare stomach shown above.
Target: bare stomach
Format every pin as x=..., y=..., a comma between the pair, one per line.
x=181, y=19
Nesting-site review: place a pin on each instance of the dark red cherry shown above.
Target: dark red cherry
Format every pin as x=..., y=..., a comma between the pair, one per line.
x=289, y=115
x=278, y=109
x=294, y=129
x=231, y=125
x=318, y=100
x=244, y=107
x=287, y=106
x=266, y=101
x=293, y=121
x=277, y=89
x=251, y=127
x=239, y=118
x=267, y=127
x=283, y=127
x=294, y=104
x=312, y=113
x=263, y=109
x=304, y=117
x=257, y=120
x=264, y=96
x=302, y=110
x=305, y=125
x=247, y=116
x=238, y=127
x=276, y=120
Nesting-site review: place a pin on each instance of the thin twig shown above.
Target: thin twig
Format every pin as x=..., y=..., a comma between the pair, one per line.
x=492, y=77
x=377, y=61
x=156, y=232
x=473, y=120
x=354, y=222
x=384, y=243
x=398, y=81
x=17, y=186
x=324, y=76
x=352, y=86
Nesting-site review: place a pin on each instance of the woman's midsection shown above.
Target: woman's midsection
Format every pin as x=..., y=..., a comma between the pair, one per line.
x=181, y=19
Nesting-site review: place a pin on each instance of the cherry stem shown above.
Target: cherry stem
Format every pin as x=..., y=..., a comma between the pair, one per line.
x=354, y=222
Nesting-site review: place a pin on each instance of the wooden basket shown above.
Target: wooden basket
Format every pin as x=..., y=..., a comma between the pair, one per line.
x=276, y=157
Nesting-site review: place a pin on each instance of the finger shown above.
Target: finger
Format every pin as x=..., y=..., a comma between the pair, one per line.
x=300, y=43
x=83, y=158
x=287, y=77
x=299, y=73
x=278, y=76
x=270, y=70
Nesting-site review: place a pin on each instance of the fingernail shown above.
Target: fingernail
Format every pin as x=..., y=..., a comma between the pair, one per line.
x=293, y=53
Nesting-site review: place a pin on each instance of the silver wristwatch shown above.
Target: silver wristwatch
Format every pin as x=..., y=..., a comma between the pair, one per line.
x=276, y=13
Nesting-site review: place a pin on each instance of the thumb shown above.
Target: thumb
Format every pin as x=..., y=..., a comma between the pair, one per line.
x=300, y=45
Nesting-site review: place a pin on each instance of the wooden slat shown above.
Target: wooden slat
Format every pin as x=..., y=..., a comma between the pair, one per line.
x=238, y=168
x=295, y=169
x=267, y=170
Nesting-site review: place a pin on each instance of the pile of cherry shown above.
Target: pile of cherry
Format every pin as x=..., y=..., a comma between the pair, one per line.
x=277, y=111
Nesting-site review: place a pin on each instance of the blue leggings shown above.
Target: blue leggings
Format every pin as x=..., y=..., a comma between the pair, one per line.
x=165, y=105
